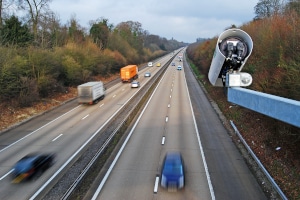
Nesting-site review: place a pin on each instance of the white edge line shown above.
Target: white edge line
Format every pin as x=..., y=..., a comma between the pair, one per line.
x=123, y=146
x=37, y=129
x=211, y=189
x=5, y=175
x=75, y=154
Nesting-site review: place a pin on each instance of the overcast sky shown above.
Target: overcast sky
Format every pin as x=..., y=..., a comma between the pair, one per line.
x=183, y=20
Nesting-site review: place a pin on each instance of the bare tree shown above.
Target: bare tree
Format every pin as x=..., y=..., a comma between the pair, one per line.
x=35, y=9
x=267, y=8
x=293, y=5
x=1, y=13
x=4, y=5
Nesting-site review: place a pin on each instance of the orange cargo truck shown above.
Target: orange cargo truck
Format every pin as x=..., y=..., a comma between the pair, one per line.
x=129, y=73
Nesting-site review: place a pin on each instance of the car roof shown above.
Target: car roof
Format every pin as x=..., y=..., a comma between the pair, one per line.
x=33, y=156
x=26, y=162
x=173, y=164
x=30, y=157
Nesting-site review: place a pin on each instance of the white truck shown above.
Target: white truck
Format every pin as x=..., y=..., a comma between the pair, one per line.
x=91, y=92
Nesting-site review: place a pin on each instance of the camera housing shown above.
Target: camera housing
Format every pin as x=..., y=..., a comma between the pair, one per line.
x=234, y=46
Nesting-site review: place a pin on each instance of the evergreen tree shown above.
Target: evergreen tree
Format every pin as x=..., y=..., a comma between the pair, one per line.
x=14, y=33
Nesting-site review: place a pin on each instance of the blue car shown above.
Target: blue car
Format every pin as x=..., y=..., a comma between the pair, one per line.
x=172, y=175
x=31, y=165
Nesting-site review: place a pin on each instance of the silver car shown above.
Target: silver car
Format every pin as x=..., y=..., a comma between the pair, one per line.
x=135, y=84
x=147, y=74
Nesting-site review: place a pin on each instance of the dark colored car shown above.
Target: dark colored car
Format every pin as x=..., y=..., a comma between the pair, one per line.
x=173, y=64
x=172, y=175
x=32, y=165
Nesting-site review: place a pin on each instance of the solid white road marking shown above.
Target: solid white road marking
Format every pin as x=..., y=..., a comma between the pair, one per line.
x=211, y=189
x=5, y=175
x=38, y=129
x=123, y=146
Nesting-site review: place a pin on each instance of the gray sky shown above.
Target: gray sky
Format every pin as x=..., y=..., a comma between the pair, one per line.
x=184, y=20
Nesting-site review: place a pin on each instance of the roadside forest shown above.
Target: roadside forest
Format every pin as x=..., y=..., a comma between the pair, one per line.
x=275, y=67
x=40, y=57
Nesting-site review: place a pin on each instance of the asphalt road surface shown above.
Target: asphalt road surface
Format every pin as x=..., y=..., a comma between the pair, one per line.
x=214, y=167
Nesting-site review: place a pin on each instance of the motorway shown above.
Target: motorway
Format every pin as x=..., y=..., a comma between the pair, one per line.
x=167, y=115
x=195, y=131
x=65, y=131
x=179, y=117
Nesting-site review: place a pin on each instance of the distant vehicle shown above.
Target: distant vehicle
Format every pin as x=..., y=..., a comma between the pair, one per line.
x=150, y=64
x=158, y=65
x=172, y=174
x=32, y=165
x=129, y=73
x=135, y=84
x=147, y=74
x=179, y=67
x=91, y=92
x=180, y=58
x=173, y=64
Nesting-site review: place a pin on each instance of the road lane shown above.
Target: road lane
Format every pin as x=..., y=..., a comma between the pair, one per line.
x=230, y=175
x=134, y=174
x=70, y=132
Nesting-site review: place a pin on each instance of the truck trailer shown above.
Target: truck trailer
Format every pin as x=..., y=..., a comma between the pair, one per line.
x=129, y=73
x=91, y=92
